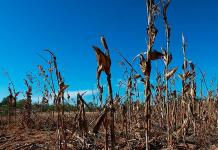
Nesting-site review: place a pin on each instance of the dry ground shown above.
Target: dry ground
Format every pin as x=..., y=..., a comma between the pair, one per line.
x=43, y=136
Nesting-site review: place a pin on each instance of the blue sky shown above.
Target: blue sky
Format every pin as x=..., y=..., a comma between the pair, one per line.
x=71, y=27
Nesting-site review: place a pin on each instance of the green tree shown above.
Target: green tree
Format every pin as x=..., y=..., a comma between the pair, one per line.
x=92, y=106
x=4, y=101
x=20, y=103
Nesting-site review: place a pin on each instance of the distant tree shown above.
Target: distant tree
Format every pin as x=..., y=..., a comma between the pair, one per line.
x=37, y=106
x=4, y=101
x=92, y=106
x=20, y=103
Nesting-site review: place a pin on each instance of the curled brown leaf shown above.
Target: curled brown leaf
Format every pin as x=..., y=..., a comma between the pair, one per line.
x=170, y=73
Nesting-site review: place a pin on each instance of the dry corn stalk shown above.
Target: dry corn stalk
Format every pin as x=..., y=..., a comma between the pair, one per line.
x=145, y=64
x=11, y=103
x=26, y=120
x=104, y=64
x=58, y=99
x=12, y=98
x=168, y=73
x=186, y=86
x=82, y=114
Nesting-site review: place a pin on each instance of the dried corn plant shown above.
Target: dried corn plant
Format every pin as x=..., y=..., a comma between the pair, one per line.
x=12, y=98
x=10, y=104
x=159, y=100
x=58, y=88
x=193, y=96
x=104, y=64
x=83, y=125
x=187, y=91
x=167, y=58
x=145, y=64
x=27, y=109
x=167, y=118
x=130, y=109
x=129, y=81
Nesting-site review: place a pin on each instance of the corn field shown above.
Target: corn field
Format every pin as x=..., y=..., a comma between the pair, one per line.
x=165, y=118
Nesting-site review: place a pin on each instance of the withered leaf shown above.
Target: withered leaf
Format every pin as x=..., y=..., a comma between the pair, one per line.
x=99, y=122
x=63, y=87
x=187, y=74
x=80, y=99
x=192, y=92
x=104, y=61
x=167, y=57
x=154, y=55
x=136, y=76
x=145, y=66
x=169, y=74
x=186, y=87
x=129, y=85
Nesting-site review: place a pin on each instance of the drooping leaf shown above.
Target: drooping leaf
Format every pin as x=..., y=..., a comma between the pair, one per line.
x=186, y=88
x=152, y=32
x=145, y=66
x=136, y=76
x=167, y=57
x=169, y=74
x=99, y=122
x=104, y=61
x=154, y=55
x=187, y=74
x=62, y=88
x=192, y=92
x=129, y=85
x=81, y=100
